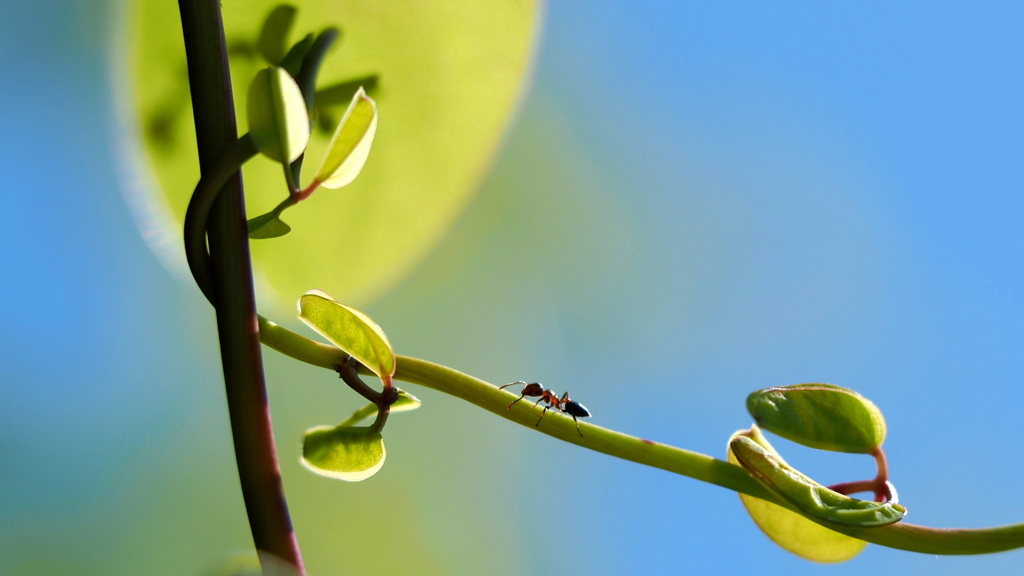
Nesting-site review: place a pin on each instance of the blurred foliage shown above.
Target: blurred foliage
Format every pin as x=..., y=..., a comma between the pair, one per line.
x=447, y=78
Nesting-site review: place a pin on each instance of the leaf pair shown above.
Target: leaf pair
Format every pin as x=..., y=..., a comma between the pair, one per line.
x=279, y=124
x=790, y=530
x=825, y=417
x=346, y=452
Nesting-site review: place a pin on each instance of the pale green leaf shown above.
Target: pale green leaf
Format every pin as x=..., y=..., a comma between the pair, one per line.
x=822, y=416
x=350, y=330
x=344, y=453
x=351, y=143
x=448, y=75
x=793, y=532
x=278, y=122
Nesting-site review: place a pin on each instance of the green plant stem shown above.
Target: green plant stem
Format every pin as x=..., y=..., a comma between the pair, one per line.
x=902, y=535
x=231, y=287
x=205, y=195
x=199, y=207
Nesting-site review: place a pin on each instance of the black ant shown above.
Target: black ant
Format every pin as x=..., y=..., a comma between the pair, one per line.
x=564, y=404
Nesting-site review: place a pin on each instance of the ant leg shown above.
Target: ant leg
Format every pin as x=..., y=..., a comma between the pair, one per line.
x=577, y=425
x=542, y=413
x=514, y=401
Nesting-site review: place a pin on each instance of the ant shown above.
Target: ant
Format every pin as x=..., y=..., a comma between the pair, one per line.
x=564, y=404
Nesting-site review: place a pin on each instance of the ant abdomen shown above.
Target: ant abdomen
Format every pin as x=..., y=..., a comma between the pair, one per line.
x=574, y=408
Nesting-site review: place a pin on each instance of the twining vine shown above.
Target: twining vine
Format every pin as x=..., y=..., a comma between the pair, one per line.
x=821, y=523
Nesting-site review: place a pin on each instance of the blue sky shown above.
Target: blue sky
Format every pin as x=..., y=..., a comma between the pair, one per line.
x=697, y=200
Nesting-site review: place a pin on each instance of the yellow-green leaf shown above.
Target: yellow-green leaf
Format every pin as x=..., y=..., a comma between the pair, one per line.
x=351, y=143
x=350, y=454
x=792, y=531
x=278, y=122
x=350, y=330
x=449, y=75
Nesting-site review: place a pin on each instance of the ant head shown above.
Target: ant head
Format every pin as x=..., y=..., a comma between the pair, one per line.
x=534, y=389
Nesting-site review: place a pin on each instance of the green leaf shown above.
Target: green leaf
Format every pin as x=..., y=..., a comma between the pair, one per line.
x=810, y=497
x=404, y=403
x=267, y=226
x=821, y=416
x=790, y=530
x=350, y=330
x=351, y=143
x=274, y=33
x=278, y=122
x=350, y=454
x=450, y=76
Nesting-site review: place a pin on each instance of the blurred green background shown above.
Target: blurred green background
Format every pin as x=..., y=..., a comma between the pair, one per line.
x=695, y=201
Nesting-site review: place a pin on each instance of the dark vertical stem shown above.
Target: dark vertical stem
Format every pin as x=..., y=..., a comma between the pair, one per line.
x=213, y=107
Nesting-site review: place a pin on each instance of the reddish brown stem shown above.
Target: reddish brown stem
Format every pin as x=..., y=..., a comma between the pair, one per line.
x=879, y=484
x=248, y=407
x=348, y=370
x=303, y=194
